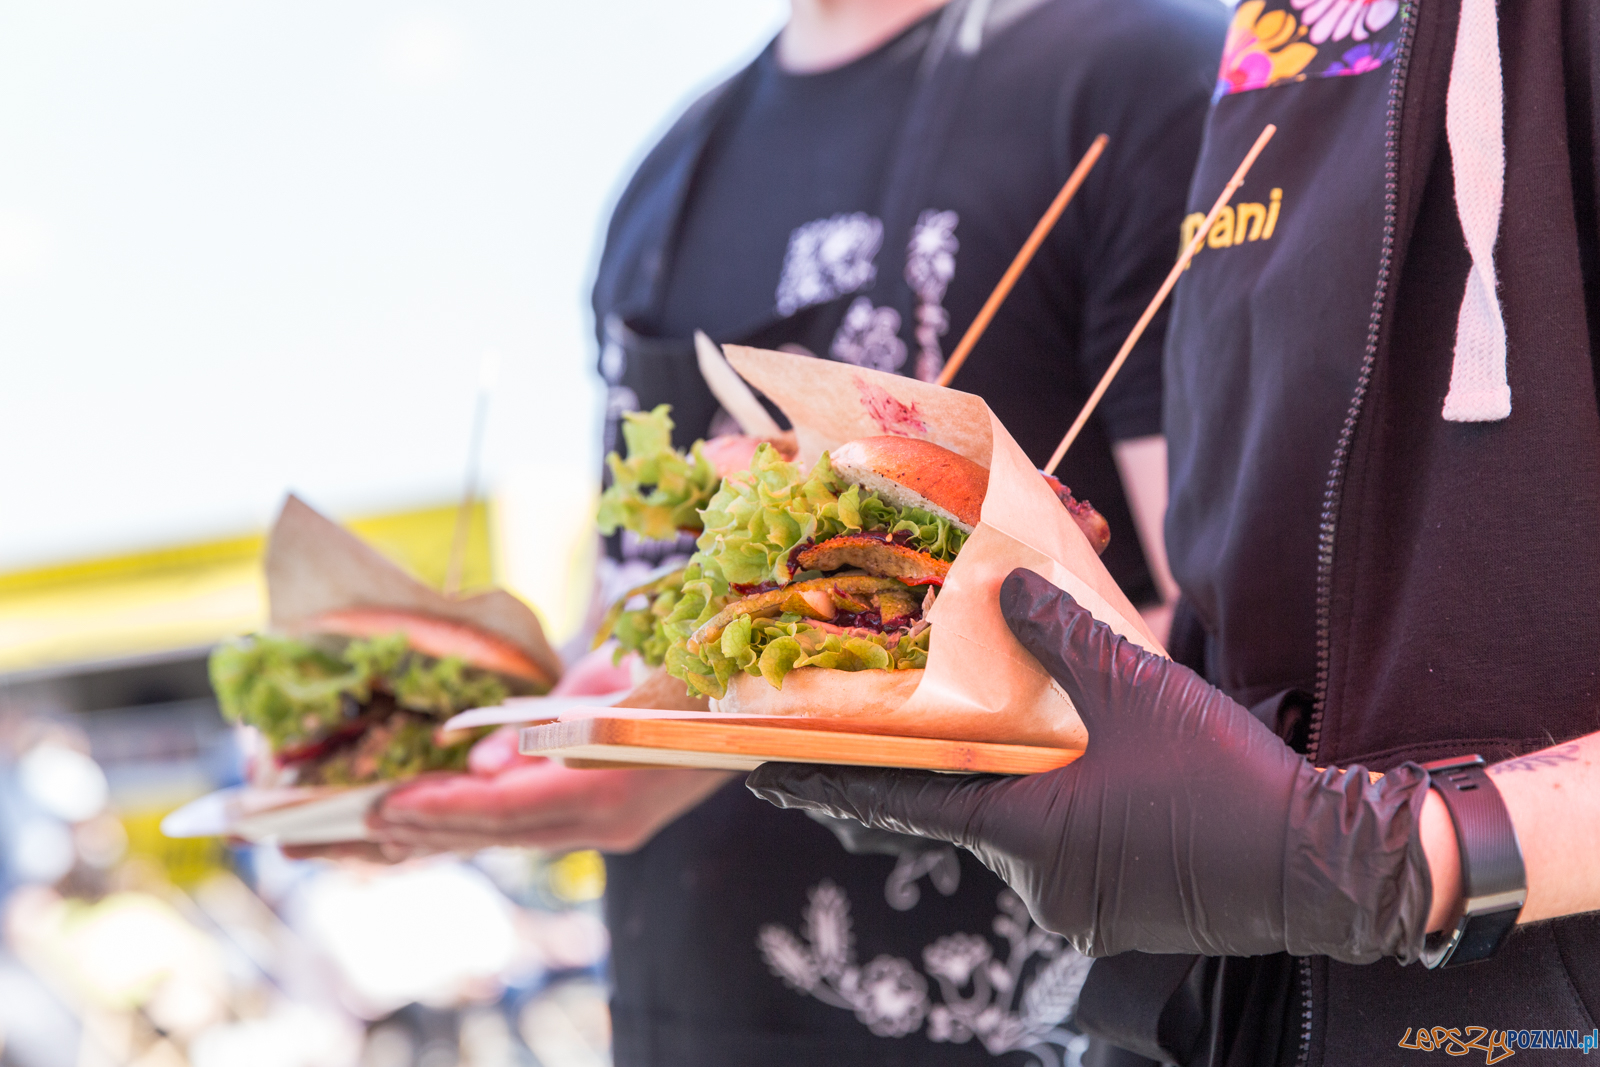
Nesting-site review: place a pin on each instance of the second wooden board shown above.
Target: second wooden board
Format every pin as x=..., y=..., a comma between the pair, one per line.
x=742, y=747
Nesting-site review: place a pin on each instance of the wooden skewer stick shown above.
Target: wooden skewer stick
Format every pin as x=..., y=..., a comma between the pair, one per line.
x=1029, y=247
x=1161, y=295
x=488, y=376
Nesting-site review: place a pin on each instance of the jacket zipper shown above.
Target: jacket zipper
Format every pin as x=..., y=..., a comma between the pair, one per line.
x=1334, y=487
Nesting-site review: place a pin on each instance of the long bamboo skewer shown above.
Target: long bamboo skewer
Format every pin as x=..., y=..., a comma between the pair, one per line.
x=488, y=377
x=1161, y=295
x=1041, y=230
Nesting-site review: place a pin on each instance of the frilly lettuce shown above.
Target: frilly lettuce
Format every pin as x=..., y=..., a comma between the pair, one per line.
x=657, y=490
x=642, y=629
x=752, y=524
x=760, y=515
x=402, y=746
x=771, y=648
x=293, y=691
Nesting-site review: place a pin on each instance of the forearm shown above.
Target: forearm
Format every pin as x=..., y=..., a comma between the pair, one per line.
x=1142, y=466
x=1553, y=797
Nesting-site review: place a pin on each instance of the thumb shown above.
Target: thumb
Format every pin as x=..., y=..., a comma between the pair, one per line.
x=944, y=807
x=1094, y=664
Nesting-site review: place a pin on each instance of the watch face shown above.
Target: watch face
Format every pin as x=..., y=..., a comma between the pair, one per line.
x=1480, y=935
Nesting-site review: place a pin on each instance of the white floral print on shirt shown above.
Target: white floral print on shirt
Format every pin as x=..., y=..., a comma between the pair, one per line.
x=827, y=258
x=981, y=995
x=930, y=264
x=870, y=337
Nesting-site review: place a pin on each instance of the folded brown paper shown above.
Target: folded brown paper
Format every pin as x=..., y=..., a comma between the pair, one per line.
x=315, y=566
x=980, y=684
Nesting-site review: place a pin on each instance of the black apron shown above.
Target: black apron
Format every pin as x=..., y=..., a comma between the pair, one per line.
x=686, y=911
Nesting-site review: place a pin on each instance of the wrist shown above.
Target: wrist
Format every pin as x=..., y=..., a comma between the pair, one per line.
x=1493, y=883
x=1440, y=845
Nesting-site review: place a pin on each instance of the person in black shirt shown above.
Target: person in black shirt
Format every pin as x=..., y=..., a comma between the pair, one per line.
x=1381, y=398
x=855, y=193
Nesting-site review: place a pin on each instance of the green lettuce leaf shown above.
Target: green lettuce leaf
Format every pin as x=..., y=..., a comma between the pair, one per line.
x=401, y=747
x=752, y=524
x=771, y=648
x=294, y=692
x=657, y=490
x=760, y=515
x=643, y=629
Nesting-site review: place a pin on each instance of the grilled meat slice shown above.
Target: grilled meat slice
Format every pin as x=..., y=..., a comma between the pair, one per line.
x=817, y=598
x=874, y=554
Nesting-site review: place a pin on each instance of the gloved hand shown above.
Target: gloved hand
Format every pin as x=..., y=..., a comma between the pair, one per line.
x=859, y=840
x=1187, y=826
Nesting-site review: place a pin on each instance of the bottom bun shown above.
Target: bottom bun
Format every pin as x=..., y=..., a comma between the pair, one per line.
x=820, y=692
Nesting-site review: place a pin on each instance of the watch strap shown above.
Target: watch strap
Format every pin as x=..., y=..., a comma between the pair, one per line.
x=1494, y=882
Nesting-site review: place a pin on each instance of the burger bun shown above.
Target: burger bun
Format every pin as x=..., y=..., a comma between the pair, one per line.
x=439, y=638
x=909, y=472
x=822, y=693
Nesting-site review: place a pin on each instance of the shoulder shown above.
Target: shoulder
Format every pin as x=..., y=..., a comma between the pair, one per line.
x=644, y=212
x=682, y=140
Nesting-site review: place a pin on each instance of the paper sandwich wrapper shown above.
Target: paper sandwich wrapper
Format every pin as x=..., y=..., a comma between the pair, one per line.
x=313, y=566
x=980, y=684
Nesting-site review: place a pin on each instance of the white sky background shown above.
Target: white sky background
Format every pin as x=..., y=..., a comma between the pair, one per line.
x=247, y=245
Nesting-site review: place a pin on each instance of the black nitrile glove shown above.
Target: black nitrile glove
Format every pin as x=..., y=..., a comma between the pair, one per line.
x=859, y=840
x=1187, y=826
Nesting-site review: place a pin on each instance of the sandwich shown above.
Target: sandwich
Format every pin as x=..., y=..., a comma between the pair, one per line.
x=358, y=695
x=657, y=493
x=804, y=579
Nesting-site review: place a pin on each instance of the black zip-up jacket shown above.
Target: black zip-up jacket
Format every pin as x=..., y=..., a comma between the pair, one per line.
x=1418, y=588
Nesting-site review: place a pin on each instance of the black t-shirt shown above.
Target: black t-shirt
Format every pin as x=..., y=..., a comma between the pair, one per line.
x=799, y=163
x=743, y=934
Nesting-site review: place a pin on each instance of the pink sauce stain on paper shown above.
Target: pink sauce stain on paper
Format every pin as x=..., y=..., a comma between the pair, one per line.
x=893, y=417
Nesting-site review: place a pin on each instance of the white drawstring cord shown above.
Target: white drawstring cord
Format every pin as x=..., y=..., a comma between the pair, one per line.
x=1475, y=126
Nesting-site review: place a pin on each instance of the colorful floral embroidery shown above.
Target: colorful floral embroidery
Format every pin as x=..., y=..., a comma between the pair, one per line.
x=1362, y=58
x=1268, y=44
x=1262, y=49
x=1334, y=20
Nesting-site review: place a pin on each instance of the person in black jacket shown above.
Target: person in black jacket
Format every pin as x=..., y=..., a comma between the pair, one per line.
x=1385, y=440
x=856, y=192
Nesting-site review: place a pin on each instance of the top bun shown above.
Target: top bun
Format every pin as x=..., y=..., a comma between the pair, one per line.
x=908, y=472
x=434, y=637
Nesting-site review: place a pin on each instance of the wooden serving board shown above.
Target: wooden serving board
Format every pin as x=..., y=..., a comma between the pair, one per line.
x=603, y=741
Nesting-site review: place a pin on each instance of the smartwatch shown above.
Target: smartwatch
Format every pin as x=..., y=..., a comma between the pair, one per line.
x=1494, y=883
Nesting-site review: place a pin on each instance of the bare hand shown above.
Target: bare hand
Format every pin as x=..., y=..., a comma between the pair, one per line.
x=511, y=799
x=365, y=851
x=733, y=452
x=540, y=804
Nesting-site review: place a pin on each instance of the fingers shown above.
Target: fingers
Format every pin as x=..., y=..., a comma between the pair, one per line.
x=859, y=840
x=467, y=813
x=730, y=452
x=367, y=851
x=469, y=802
x=498, y=751
x=595, y=674
x=541, y=805
x=1090, y=660
x=944, y=807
